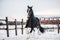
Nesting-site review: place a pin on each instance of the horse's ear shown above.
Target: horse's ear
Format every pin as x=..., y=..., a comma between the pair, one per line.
x=28, y=6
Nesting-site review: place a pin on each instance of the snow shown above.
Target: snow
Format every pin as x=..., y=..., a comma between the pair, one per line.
x=48, y=35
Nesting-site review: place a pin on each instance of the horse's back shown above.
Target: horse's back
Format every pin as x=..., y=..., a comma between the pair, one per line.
x=37, y=21
x=32, y=22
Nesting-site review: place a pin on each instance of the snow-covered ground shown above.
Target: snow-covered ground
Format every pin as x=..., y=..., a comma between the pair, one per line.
x=48, y=35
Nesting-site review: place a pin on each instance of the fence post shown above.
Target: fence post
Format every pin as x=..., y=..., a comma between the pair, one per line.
x=22, y=26
x=15, y=27
x=58, y=25
x=7, y=27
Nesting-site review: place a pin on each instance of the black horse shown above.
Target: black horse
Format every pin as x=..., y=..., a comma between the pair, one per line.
x=32, y=21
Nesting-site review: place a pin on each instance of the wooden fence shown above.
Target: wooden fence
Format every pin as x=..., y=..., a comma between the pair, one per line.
x=7, y=28
x=55, y=20
x=50, y=20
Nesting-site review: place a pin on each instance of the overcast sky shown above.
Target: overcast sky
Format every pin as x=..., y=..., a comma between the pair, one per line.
x=17, y=8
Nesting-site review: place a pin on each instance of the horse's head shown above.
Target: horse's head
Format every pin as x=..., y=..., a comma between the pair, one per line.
x=29, y=11
x=29, y=7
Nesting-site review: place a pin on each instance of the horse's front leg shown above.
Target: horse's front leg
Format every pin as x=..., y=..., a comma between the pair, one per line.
x=26, y=25
x=31, y=30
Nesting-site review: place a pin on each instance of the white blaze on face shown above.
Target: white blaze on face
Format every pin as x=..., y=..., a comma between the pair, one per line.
x=28, y=12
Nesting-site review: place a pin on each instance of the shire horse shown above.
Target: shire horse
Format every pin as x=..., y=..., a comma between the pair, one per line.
x=33, y=22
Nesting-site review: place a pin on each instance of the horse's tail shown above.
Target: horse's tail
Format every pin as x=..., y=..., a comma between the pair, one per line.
x=41, y=29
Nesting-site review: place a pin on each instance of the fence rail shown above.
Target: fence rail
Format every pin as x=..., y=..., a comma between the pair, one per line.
x=44, y=21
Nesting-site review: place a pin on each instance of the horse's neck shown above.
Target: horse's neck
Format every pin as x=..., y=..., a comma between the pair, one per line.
x=31, y=17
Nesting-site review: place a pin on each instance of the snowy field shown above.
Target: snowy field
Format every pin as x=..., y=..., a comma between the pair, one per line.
x=50, y=34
